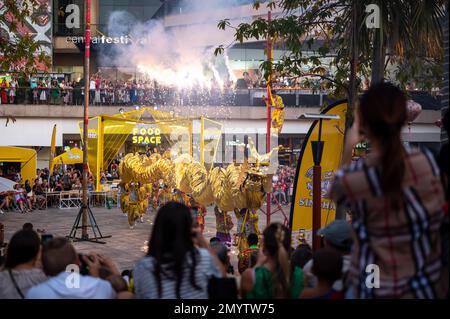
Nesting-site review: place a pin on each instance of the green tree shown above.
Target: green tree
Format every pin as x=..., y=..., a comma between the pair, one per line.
x=325, y=38
x=19, y=53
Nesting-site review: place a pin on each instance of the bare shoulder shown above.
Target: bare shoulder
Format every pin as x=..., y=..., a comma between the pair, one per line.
x=247, y=281
x=308, y=293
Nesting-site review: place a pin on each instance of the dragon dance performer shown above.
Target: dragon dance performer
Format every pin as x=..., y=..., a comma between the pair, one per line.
x=178, y=196
x=242, y=226
x=164, y=194
x=247, y=223
x=124, y=196
x=201, y=217
x=199, y=213
x=247, y=227
x=224, y=224
x=155, y=195
x=143, y=197
x=133, y=210
x=247, y=257
x=253, y=220
x=278, y=113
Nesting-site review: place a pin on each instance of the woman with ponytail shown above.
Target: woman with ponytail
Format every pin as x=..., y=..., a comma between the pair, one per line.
x=396, y=200
x=270, y=278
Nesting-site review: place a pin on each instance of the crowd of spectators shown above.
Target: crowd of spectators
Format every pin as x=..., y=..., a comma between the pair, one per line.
x=30, y=195
x=283, y=185
x=179, y=263
x=104, y=90
x=8, y=91
x=395, y=246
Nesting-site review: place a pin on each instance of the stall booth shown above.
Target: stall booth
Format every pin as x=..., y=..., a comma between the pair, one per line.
x=18, y=159
x=108, y=133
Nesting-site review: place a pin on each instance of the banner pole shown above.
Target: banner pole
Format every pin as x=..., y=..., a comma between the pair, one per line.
x=202, y=140
x=269, y=115
x=87, y=49
x=317, y=150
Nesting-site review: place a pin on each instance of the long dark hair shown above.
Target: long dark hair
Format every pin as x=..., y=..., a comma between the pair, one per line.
x=276, y=245
x=383, y=113
x=170, y=243
x=23, y=247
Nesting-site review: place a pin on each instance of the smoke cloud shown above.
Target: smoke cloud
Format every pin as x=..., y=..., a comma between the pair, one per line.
x=178, y=50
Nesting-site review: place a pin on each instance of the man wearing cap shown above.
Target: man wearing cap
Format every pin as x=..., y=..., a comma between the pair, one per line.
x=336, y=235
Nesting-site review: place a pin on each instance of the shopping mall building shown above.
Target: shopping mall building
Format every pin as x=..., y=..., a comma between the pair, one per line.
x=61, y=34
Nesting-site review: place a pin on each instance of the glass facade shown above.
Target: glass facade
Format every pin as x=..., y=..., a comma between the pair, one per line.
x=68, y=17
x=135, y=11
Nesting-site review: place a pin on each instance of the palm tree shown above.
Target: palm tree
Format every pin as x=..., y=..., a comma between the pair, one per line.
x=410, y=30
x=408, y=42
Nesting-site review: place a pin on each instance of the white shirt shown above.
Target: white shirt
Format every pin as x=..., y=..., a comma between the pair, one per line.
x=92, y=85
x=62, y=287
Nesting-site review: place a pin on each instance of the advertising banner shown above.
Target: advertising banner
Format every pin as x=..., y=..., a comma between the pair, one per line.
x=301, y=209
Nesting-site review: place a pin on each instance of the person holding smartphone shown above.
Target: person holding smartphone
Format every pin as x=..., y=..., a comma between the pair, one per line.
x=58, y=259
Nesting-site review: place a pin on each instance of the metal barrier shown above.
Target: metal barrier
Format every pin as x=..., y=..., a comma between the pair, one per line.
x=123, y=97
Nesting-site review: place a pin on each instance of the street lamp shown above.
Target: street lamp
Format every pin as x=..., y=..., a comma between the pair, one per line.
x=317, y=151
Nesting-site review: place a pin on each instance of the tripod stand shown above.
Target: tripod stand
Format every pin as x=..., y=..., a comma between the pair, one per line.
x=278, y=209
x=92, y=223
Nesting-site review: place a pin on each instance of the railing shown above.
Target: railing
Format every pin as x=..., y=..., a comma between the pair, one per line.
x=124, y=97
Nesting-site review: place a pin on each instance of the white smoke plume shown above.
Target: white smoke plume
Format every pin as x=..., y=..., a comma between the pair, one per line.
x=179, y=55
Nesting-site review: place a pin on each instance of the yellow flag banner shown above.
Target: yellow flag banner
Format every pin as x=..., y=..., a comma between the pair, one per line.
x=52, y=151
x=301, y=208
x=72, y=156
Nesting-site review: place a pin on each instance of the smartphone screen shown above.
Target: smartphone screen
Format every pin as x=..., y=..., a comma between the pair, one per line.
x=45, y=238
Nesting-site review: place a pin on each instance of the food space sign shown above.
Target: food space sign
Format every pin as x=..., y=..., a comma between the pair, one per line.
x=146, y=135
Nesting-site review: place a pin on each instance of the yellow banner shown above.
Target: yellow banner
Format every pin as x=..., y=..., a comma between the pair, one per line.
x=301, y=208
x=72, y=156
x=52, y=151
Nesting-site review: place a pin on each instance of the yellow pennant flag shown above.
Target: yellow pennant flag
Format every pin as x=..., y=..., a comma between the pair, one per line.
x=301, y=208
x=51, y=164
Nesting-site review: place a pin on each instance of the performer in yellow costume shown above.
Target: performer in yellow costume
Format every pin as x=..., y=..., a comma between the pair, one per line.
x=253, y=220
x=134, y=208
x=124, y=196
x=237, y=187
x=278, y=113
x=224, y=224
x=143, y=197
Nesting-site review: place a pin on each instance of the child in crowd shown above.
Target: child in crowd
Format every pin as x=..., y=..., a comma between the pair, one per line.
x=327, y=267
x=21, y=200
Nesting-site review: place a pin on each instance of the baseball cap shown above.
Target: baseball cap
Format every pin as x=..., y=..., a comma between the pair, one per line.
x=338, y=233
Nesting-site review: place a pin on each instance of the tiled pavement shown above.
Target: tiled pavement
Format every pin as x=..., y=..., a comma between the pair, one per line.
x=125, y=246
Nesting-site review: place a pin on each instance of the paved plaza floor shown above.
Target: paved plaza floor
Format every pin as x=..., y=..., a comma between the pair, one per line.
x=126, y=245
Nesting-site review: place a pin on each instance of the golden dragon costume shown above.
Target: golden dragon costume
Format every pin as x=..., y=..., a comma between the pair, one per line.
x=235, y=187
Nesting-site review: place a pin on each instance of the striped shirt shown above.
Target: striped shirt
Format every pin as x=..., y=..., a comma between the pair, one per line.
x=146, y=286
x=404, y=244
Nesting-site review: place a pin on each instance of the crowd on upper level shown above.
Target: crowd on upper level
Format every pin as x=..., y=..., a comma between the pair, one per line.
x=104, y=90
